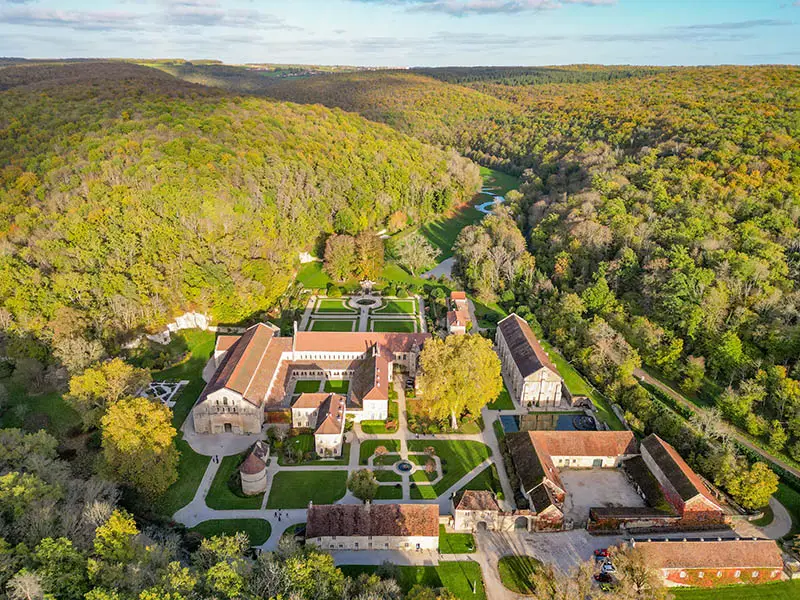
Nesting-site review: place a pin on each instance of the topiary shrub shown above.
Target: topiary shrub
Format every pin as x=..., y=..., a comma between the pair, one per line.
x=402, y=293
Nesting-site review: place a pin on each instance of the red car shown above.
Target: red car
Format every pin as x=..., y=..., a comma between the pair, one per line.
x=601, y=553
x=603, y=578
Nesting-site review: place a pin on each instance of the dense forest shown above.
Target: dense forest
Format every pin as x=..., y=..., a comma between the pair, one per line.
x=666, y=200
x=127, y=195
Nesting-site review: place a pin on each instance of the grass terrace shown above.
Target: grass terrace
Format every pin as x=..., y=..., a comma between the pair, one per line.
x=457, y=457
x=397, y=307
x=332, y=305
x=462, y=579
x=257, y=530
x=295, y=489
x=393, y=325
x=332, y=325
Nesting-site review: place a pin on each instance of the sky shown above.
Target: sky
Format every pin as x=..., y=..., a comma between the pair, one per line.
x=402, y=33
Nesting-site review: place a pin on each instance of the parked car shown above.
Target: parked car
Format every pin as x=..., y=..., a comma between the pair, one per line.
x=608, y=567
x=603, y=577
x=601, y=553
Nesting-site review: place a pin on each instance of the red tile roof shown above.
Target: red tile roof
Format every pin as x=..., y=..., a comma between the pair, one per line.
x=310, y=400
x=372, y=520
x=344, y=341
x=330, y=419
x=476, y=500
x=585, y=443
x=682, y=477
x=224, y=342
x=252, y=465
x=371, y=378
x=524, y=346
x=458, y=295
x=457, y=318
x=727, y=554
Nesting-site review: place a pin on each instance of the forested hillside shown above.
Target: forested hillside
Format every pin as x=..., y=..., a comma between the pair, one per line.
x=127, y=195
x=661, y=208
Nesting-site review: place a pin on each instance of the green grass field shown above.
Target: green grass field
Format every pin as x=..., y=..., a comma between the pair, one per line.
x=386, y=476
x=790, y=498
x=460, y=578
x=337, y=386
x=333, y=305
x=368, y=448
x=486, y=480
x=502, y=402
x=397, y=326
x=257, y=530
x=515, y=572
x=332, y=325
x=43, y=411
x=455, y=543
x=401, y=306
x=295, y=489
x=312, y=276
x=458, y=458
x=221, y=497
x=306, y=386
x=785, y=590
x=191, y=468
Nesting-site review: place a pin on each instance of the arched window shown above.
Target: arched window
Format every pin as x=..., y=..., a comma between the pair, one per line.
x=225, y=401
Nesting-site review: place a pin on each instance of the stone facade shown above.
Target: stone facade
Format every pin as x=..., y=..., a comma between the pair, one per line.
x=225, y=411
x=378, y=542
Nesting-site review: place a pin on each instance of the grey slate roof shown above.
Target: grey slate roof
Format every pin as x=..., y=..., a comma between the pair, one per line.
x=527, y=352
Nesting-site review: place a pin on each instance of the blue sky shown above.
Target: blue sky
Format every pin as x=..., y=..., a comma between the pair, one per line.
x=408, y=32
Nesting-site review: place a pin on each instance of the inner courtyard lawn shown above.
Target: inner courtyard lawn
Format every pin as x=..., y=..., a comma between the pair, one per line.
x=397, y=307
x=395, y=326
x=337, y=386
x=455, y=543
x=295, y=489
x=457, y=457
x=459, y=577
x=368, y=448
x=306, y=386
x=221, y=495
x=332, y=325
x=257, y=530
x=784, y=590
x=515, y=572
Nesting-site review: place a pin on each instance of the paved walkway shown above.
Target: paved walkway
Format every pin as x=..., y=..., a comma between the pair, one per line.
x=443, y=268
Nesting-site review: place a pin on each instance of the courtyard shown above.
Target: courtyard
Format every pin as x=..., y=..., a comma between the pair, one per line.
x=587, y=488
x=364, y=313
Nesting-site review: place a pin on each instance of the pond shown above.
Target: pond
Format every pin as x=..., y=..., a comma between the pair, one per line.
x=548, y=422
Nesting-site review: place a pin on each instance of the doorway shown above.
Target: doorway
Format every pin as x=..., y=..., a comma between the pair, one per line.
x=228, y=428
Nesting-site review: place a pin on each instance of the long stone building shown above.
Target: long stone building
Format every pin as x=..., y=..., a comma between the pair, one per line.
x=532, y=379
x=373, y=526
x=255, y=374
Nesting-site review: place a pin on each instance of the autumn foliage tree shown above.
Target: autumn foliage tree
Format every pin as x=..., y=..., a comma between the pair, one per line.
x=139, y=445
x=459, y=374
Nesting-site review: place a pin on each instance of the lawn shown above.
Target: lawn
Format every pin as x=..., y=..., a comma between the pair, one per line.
x=306, y=386
x=389, y=492
x=396, y=326
x=458, y=458
x=785, y=590
x=455, y=543
x=332, y=325
x=398, y=307
x=790, y=498
x=766, y=519
x=337, y=386
x=45, y=411
x=191, y=468
x=332, y=305
x=486, y=480
x=368, y=448
x=502, y=402
x=387, y=476
x=257, y=530
x=312, y=276
x=221, y=495
x=379, y=427
x=457, y=576
x=201, y=346
x=515, y=572
x=295, y=489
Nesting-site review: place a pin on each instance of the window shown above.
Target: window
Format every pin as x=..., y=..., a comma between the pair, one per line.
x=755, y=574
x=682, y=575
x=225, y=401
x=719, y=573
x=737, y=574
x=700, y=575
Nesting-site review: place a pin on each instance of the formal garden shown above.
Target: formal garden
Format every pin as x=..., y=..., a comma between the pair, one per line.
x=336, y=312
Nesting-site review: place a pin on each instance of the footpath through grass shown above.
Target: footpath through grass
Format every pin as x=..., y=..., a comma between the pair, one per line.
x=257, y=530
x=457, y=457
x=785, y=590
x=460, y=578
